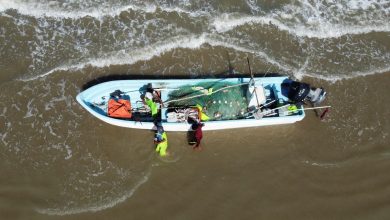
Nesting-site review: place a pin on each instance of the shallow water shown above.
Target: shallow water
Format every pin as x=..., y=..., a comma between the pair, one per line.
x=59, y=162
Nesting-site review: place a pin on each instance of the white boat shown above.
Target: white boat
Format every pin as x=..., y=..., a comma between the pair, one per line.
x=229, y=103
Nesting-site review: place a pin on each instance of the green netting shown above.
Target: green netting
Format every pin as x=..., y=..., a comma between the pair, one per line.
x=228, y=103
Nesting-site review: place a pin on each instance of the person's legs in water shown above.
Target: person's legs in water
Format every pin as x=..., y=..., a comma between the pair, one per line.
x=198, y=136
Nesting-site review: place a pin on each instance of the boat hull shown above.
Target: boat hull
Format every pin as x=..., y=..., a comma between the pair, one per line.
x=100, y=92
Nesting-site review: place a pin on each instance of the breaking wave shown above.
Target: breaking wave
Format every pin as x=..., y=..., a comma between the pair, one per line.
x=312, y=19
x=304, y=21
x=229, y=22
x=125, y=57
x=75, y=10
x=96, y=207
x=130, y=57
x=340, y=76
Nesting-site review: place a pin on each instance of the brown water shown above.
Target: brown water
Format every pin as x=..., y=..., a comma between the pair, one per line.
x=59, y=162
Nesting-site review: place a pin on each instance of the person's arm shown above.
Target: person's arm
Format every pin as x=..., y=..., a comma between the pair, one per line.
x=159, y=98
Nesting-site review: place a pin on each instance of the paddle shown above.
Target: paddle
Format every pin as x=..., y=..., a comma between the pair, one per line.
x=324, y=113
x=322, y=116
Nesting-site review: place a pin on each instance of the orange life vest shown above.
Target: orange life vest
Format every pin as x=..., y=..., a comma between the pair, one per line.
x=119, y=109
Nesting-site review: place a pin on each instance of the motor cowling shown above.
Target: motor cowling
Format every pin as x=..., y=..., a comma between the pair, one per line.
x=302, y=92
x=316, y=95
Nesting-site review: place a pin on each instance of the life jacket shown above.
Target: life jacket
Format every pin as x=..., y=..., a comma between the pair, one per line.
x=152, y=105
x=119, y=109
x=202, y=116
x=163, y=145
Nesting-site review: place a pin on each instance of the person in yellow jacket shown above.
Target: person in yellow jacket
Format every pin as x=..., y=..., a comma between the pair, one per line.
x=148, y=100
x=161, y=141
x=202, y=115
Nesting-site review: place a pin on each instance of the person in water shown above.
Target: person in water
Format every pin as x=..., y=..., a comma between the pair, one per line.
x=161, y=140
x=198, y=135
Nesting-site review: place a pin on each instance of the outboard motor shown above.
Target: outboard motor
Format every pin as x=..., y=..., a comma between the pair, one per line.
x=301, y=92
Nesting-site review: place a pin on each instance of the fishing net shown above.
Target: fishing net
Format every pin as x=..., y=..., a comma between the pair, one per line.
x=220, y=100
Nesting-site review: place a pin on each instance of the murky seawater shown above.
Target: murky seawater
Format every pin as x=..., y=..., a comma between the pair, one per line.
x=59, y=162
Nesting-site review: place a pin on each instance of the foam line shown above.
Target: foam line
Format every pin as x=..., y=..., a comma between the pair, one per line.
x=314, y=26
x=346, y=76
x=46, y=10
x=95, y=208
x=323, y=165
x=228, y=22
x=147, y=53
x=195, y=42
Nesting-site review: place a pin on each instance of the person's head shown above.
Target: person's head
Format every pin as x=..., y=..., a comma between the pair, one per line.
x=149, y=88
x=158, y=137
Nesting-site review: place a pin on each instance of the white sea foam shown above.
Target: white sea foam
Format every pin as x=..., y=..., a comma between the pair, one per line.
x=4, y=135
x=2, y=138
x=341, y=76
x=48, y=125
x=307, y=19
x=317, y=19
x=323, y=165
x=68, y=152
x=195, y=42
x=253, y=6
x=302, y=19
x=4, y=111
x=300, y=72
x=57, y=10
x=97, y=207
x=228, y=22
x=188, y=42
x=31, y=111
x=38, y=9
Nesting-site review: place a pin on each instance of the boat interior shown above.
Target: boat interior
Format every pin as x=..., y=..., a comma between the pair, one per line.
x=229, y=102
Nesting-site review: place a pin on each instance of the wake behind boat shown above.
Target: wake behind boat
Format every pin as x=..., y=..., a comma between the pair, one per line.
x=219, y=103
